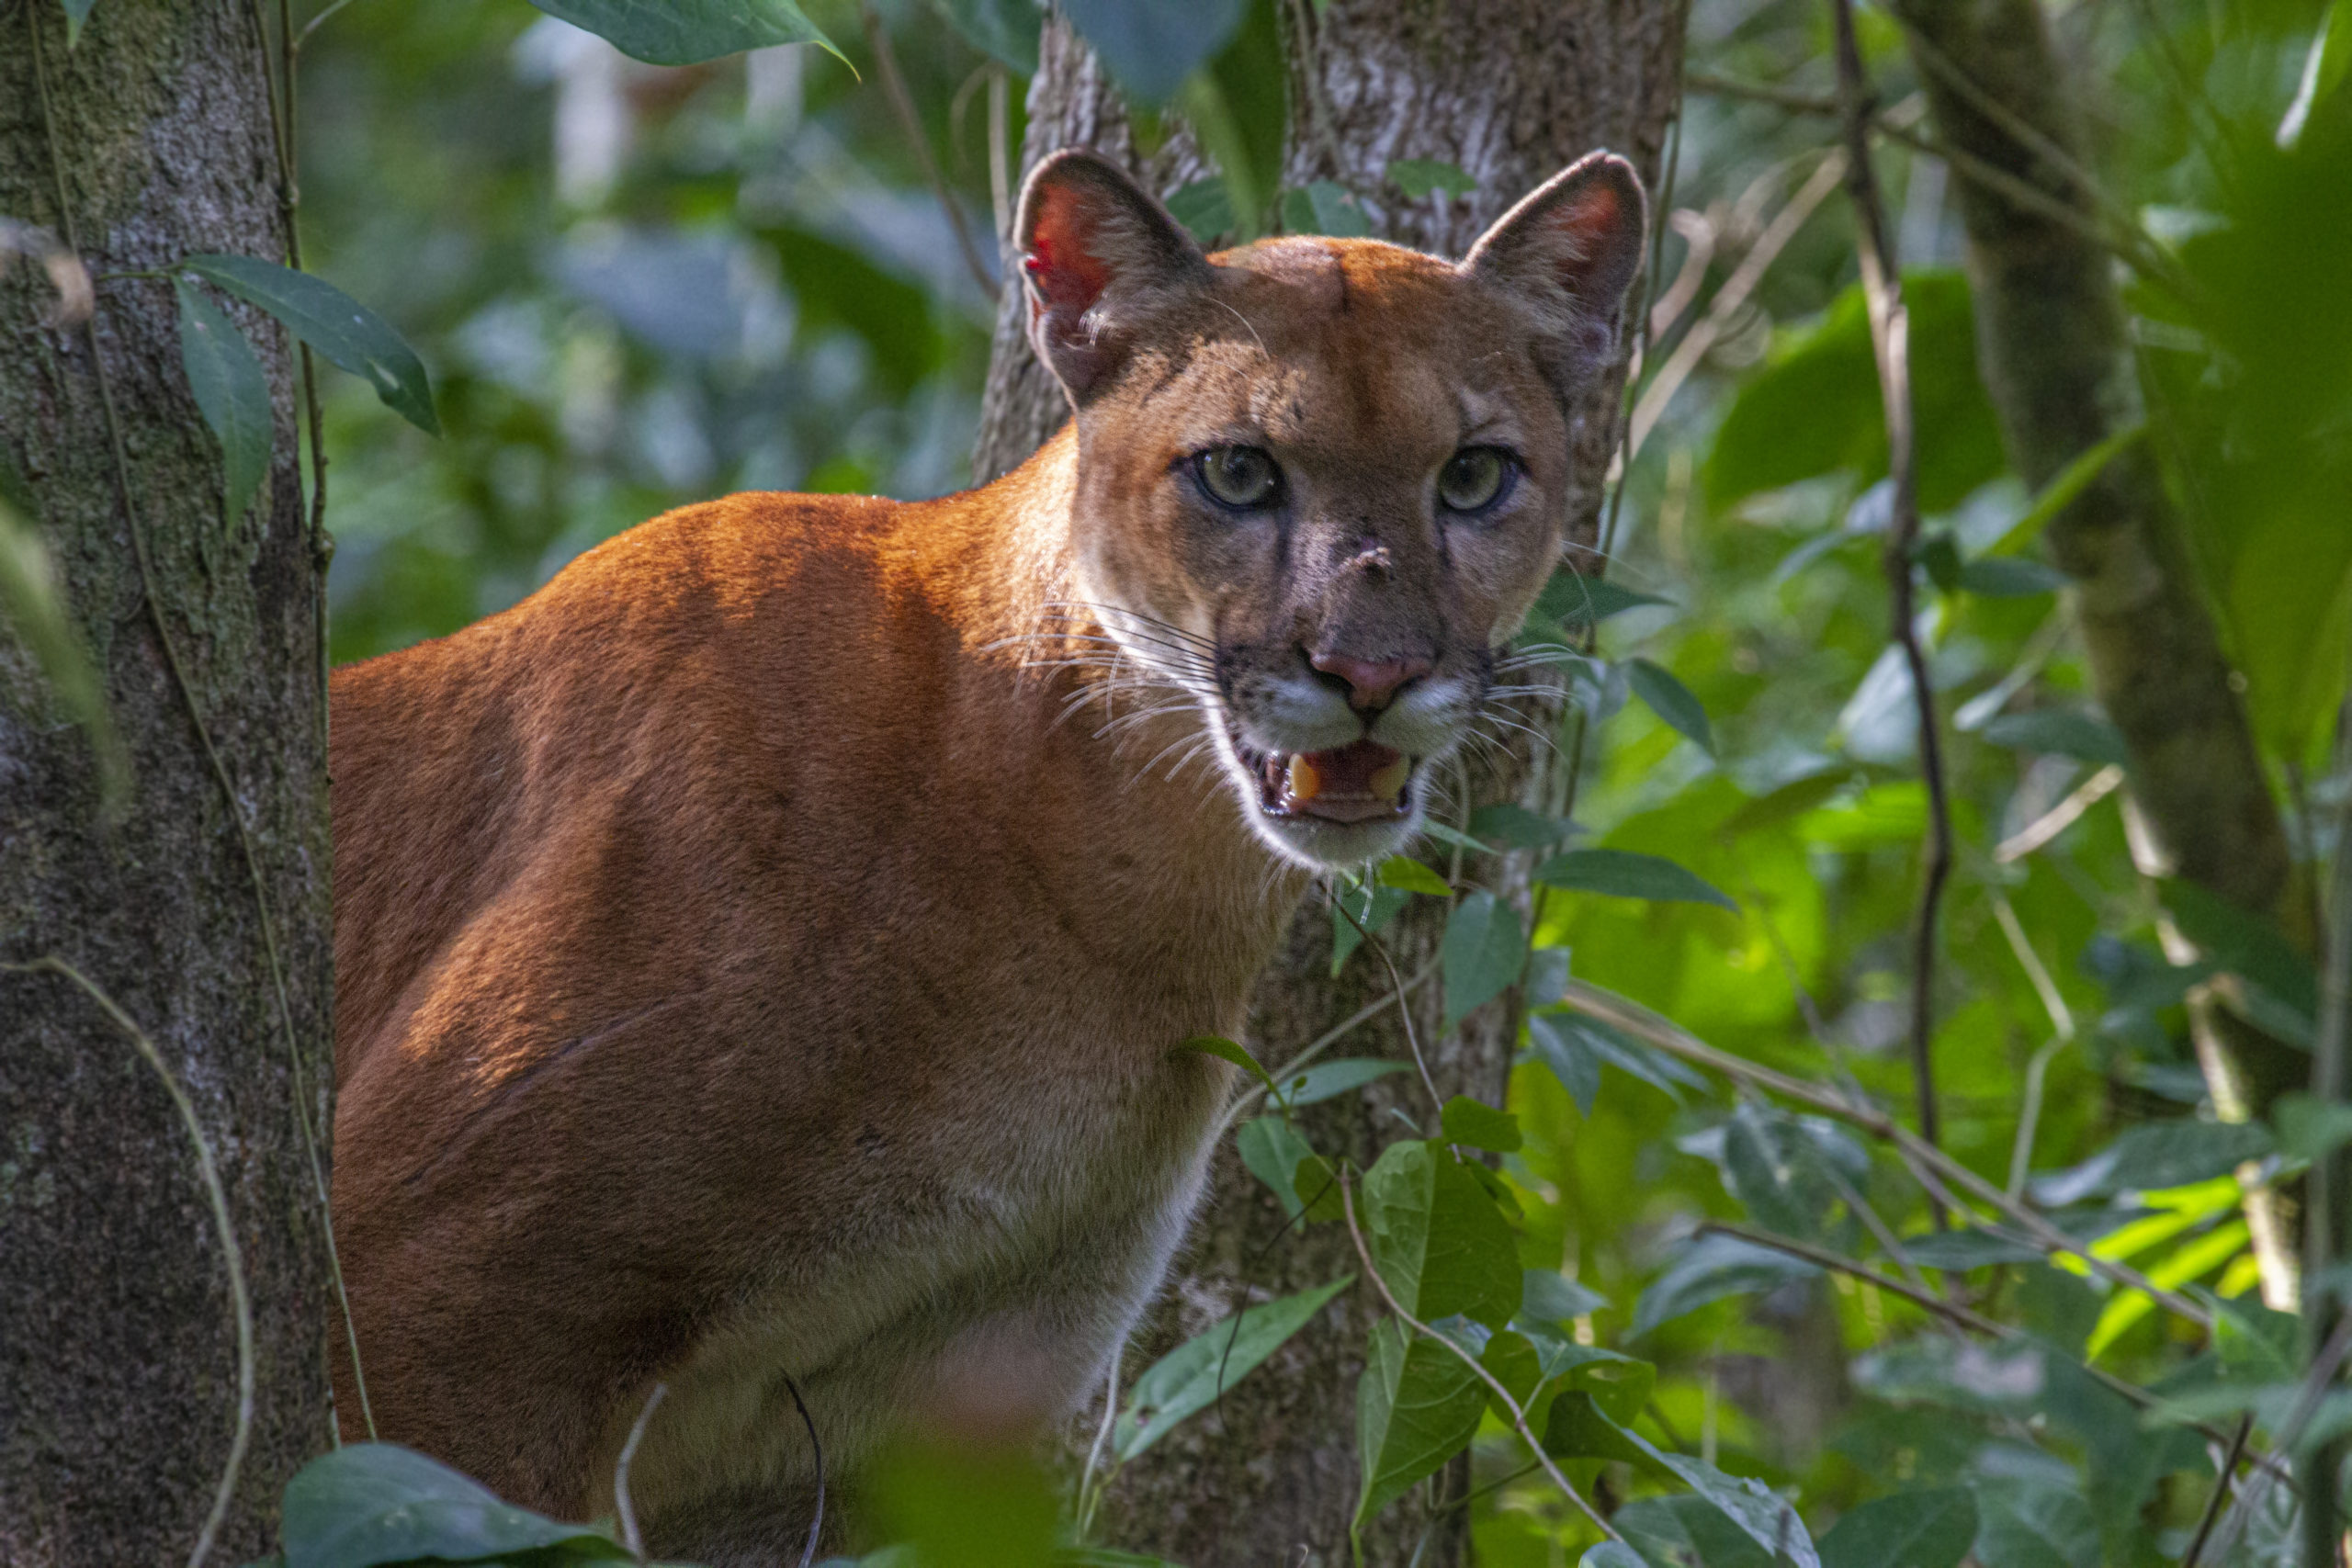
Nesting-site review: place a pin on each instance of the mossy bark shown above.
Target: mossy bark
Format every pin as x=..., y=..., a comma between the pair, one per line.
x=1512, y=91
x=118, y=1360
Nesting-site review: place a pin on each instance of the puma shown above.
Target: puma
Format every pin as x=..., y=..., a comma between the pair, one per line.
x=760, y=951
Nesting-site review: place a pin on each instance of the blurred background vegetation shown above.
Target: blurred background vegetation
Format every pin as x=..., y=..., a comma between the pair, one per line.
x=637, y=286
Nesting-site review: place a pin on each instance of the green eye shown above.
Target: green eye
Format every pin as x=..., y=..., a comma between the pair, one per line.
x=1473, y=478
x=1240, y=476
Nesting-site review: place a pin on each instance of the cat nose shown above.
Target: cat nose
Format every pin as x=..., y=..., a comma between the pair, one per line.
x=1371, y=682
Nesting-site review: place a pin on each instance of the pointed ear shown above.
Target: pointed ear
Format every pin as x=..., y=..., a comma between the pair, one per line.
x=1571, y=250
x=1097, y=255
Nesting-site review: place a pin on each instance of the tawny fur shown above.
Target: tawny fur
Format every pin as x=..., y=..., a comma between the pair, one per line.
x=760, y=951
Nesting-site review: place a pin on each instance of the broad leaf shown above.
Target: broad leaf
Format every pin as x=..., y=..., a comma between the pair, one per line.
x=1403, y=871
x=1571, y=599
x=1480, y=1125
x=332, y=321
x=1611, y=1554
x=1932, y=1527
x=365, y=1504
x=1438, y=1239
x=688, y=32
x=2061, y=732
x=1618, y=1384
x=2022, y=1522
x=1151, y=46
x=1671, y=700
x=1624, y=874
x=1417, y=1405
x=1709, y=1268
x=1760, y=1513
x=1510, y=1359
x=1006, y=30
x=1204, y=207
x=1551, y=1299
x=1189, y=1377
x=2009, y=577
x=1484, y=950
x=1960, y=1250
x=1271, y=1149
x=1574, y=1046
x=2154, y=1155
x=1239, y=106
x=1518, y=827
x=1372, y=909
x=1419, y=177
x=1329, y=1080
x=1686, y=1531
x=1225, y=1050
x=1324, y=207
x=77, y=12
x=230, y=392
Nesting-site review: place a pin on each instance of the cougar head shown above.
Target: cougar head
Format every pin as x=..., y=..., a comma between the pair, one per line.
x=1320, y=481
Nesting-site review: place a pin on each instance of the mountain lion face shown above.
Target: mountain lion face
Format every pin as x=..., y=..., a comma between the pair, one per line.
x=1320, y=481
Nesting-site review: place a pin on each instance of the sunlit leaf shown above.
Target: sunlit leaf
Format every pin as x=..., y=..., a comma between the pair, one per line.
x=347, y=332
x=688, y=32
x=1189, y=1377
x=1625, y=873
x=1402, y=871
x=1225, y=1050
x=230, y=392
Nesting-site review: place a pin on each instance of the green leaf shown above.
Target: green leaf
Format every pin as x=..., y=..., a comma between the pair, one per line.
x=1687, y=1532
x=2028, y=1523
x=1329, y=1080
x=1572, y=600
x=1760, y=1513
x=1272, y=1149
x=1459, y=840
x=1518, y=827
x=1437, y=1237
x=2059, y=732
x=1932, y=1527
x=1204, y=208
x=1576, y=1046
x=2009, y=577
x=1324, y=207
x=1475, y=1123
x=1814, y=407
x=1624, y=874
x=1777, y=1169
x=1611, y=1554
x=1150, y=46
x=34, y=610
x=1709, y=1268
x=2310, y=1128
x=76, y=13
x=1239, y=108
x=1484, y=950
x=1403, y=871
x=688, y=32
x=2072, y=480
x=1417, y=1405
x=1419, y=177
x=2250, y=947
x=1957, y=1251
x=230, y=392
x=1618, y=1385
x=1577, y=1429
x=1189, y=1377
x=1316, y=1183
x=1510, y=1359
x=366, y=1503
x=1373, y=907
x=1671, y=700
x=2154, y=1155
x=1550, y=1298
x=1228, y=1051
x=1005, y=31
x=335, y=324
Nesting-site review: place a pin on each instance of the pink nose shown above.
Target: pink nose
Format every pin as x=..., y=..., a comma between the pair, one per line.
x=1371, y=682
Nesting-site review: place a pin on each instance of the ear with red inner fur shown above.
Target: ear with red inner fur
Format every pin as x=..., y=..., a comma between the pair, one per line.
x=1097, y=255
x=1571, y=250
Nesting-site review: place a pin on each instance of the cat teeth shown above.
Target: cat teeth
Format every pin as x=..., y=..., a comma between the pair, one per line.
x=1388, y=784
x=1304, y=782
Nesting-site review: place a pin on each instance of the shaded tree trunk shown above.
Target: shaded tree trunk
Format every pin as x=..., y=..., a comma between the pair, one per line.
x=1512, y=91
x=119, y=1364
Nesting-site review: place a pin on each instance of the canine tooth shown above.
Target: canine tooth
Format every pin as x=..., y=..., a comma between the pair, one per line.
x=1304, y=782
x=1389, y=781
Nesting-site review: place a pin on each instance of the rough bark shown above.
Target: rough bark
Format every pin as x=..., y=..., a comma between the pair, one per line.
x=117, y=1361
x=1511, y=90
x=2052, y=347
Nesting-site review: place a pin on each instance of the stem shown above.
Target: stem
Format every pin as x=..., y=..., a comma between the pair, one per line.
x=1321, y=1043
x=239, y=1301
x=902, y=104
x=630, y=1537
x=2221, y=1492
x=1890, y=344
x=1518, y=1415
x=2325, y=1191
x=1404, y=1011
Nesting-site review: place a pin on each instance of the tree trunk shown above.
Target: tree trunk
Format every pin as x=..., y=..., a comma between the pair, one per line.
x=2050, y=342
x=119, y=1388
x=1512, y=91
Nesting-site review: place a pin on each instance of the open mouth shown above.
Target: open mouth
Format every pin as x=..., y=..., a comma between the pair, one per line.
x=1361, y=782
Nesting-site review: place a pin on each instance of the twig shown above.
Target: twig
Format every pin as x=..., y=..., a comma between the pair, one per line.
x=1791, y=98
x=1404, y=1010
x=630, y=1537
x=1933, y=1168
x=816, y=1525
x=240, y=1303
x=2059, y=818
x=2307, y=1400
x=1890, y=345
x=1087, y=1496
x=2205, y=1520
x=1518, y=1415
x=204, y=735
x=2326, y=1192
x=1321, y=1043
x=902, y=104
x=1659, y=214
